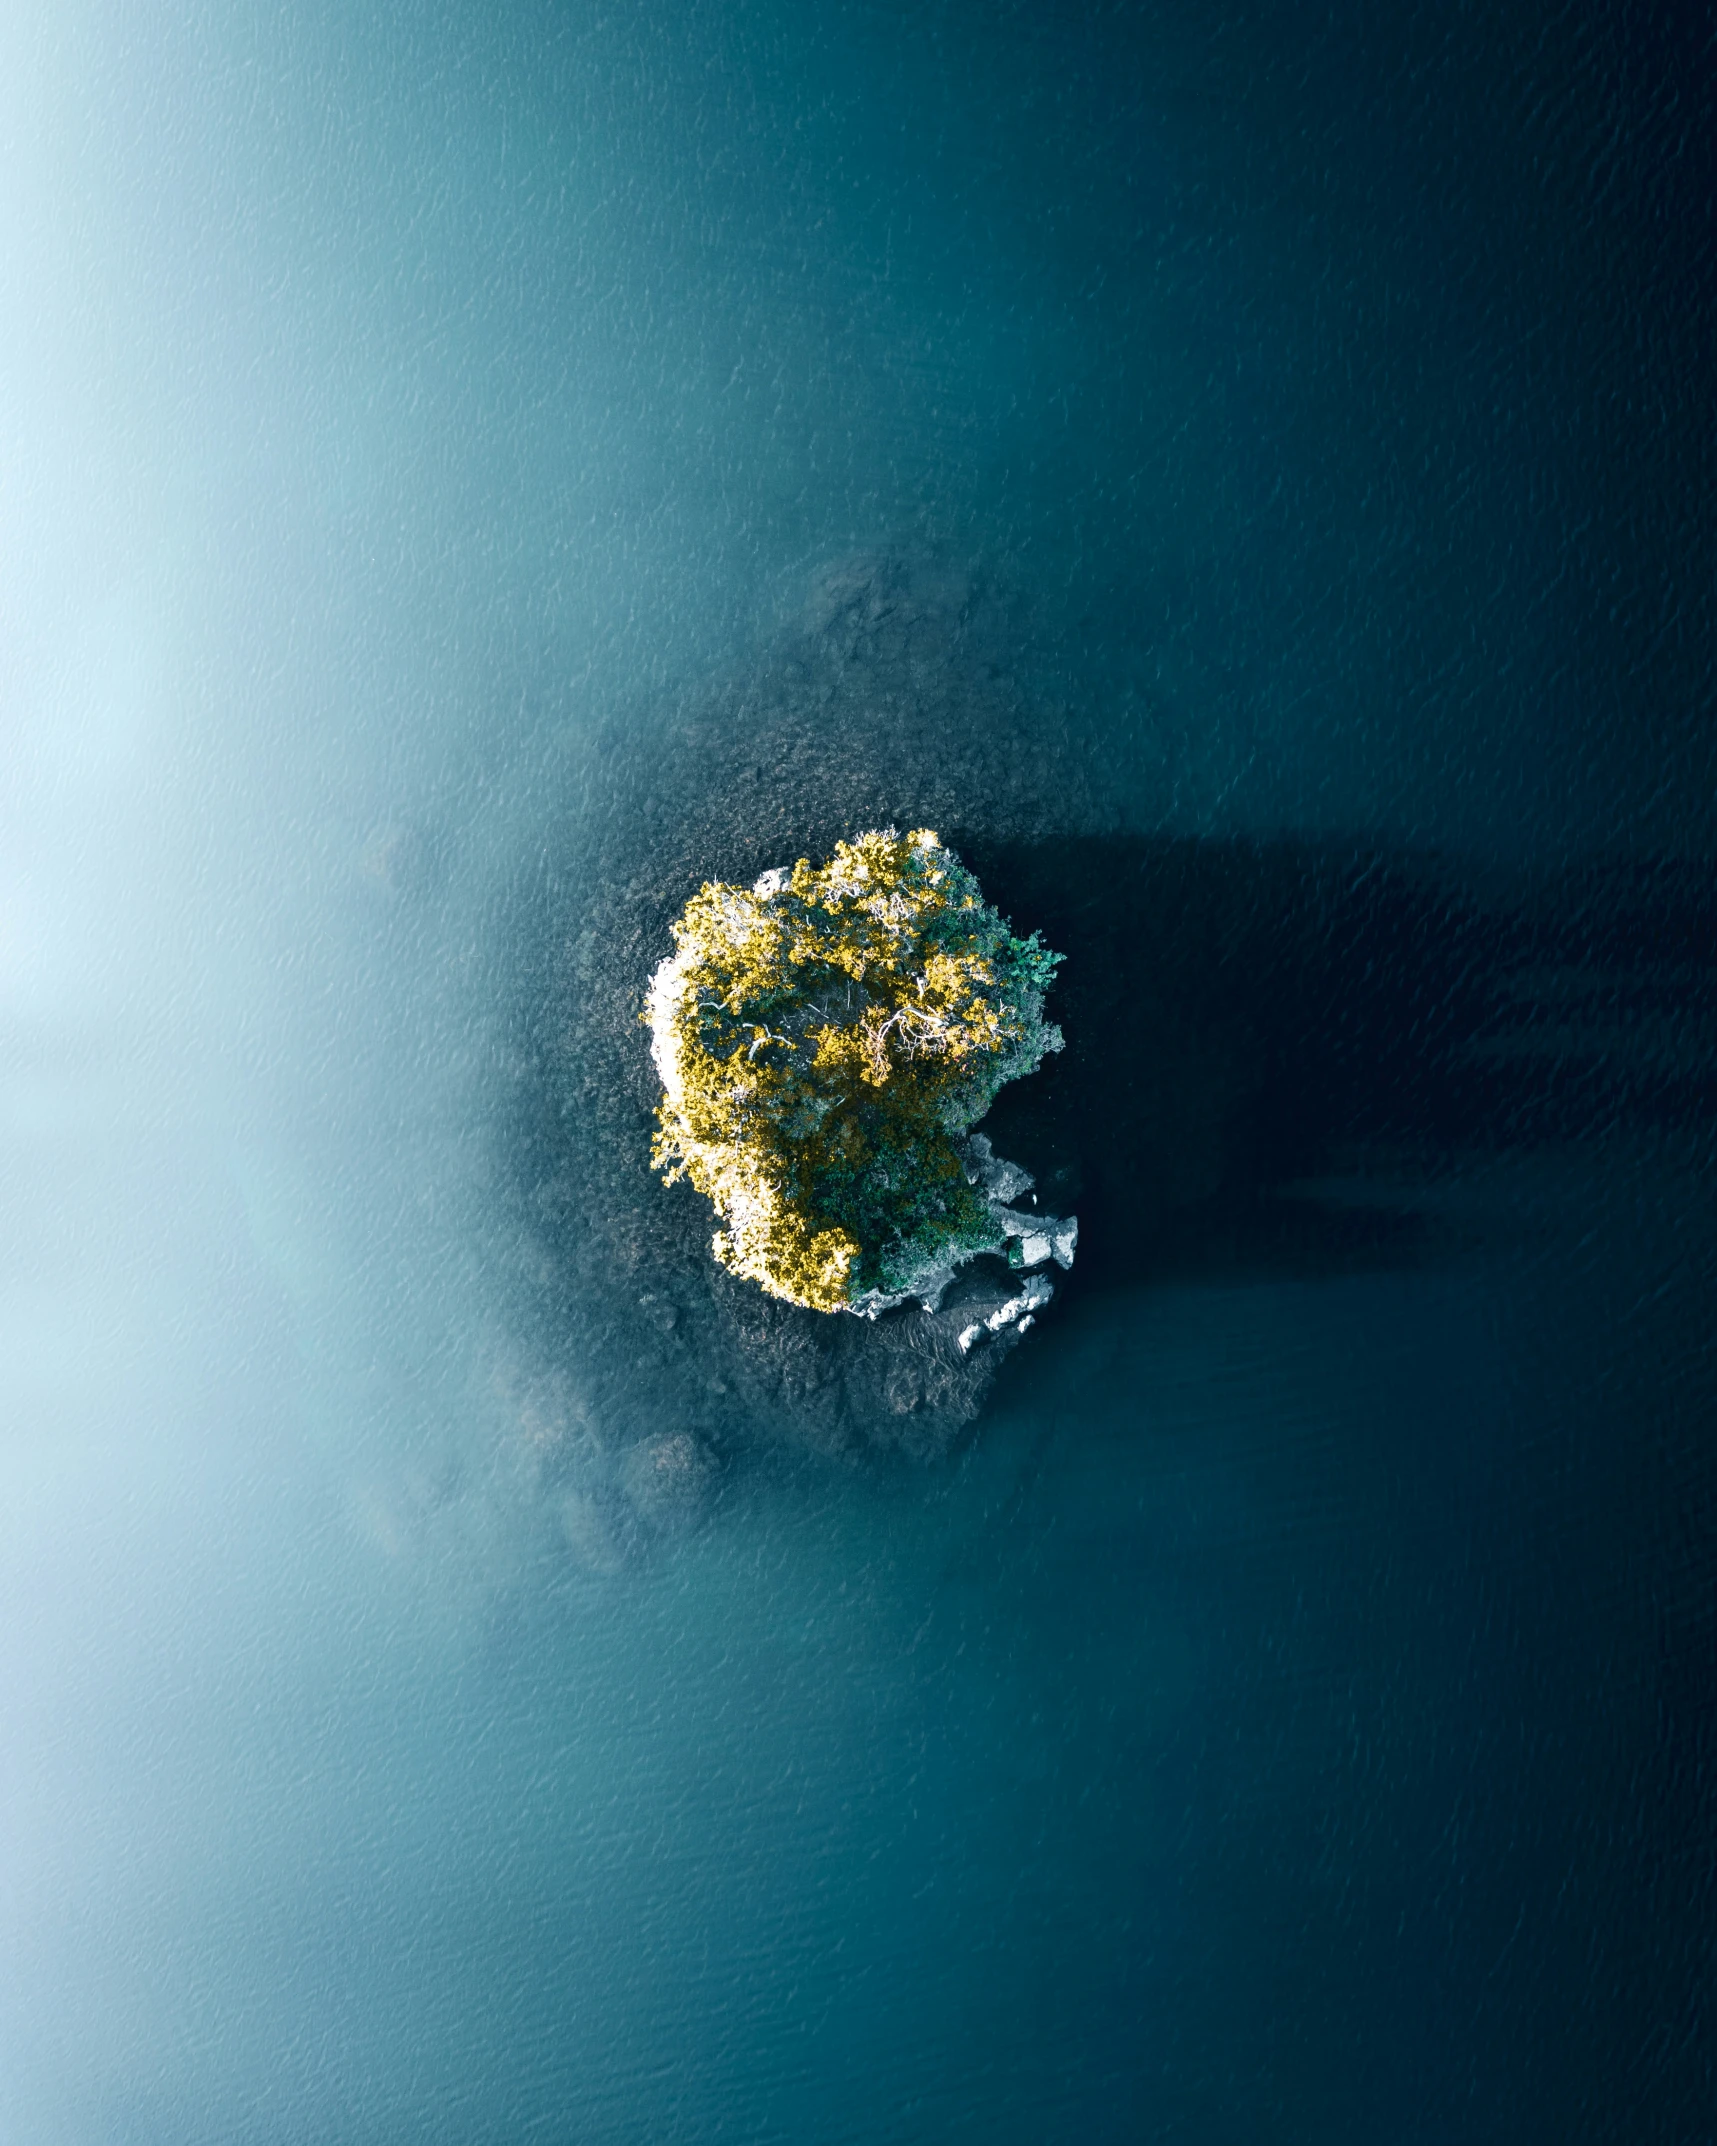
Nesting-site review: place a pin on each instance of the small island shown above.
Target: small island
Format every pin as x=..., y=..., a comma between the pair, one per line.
x=826, y=1039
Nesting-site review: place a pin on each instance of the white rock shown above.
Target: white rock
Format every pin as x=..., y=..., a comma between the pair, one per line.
x=1033, y=1297
x=1002, y=1180
x=1041, y=1237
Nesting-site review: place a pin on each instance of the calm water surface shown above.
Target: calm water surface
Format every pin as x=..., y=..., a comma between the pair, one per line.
x=1288, y=1713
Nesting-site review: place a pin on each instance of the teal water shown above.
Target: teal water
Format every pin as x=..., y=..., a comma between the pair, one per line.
x=1280, y=443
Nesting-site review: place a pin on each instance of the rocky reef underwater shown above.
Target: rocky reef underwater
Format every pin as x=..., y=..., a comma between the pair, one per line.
x=881, y=702
x=1246, y=1020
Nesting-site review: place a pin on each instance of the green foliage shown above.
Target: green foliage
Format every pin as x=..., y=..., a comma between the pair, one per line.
x=822, y=1039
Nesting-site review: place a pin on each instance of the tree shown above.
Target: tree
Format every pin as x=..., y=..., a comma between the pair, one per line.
x=823, y=1039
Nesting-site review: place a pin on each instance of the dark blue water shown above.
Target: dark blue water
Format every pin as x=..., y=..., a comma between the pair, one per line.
x=1247, y=477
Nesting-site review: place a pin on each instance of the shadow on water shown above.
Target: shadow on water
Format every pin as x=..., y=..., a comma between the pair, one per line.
x=1245, y=1019
x=1272, y=1046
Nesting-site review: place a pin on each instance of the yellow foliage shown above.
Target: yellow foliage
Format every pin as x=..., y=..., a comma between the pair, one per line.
x=821, y=1037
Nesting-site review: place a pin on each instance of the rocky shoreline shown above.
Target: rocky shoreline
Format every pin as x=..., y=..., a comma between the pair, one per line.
x=887, y=699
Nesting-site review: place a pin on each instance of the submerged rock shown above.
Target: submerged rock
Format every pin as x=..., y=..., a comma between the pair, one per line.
x=885, y=700
x=591, y=1530
x=668, y=1479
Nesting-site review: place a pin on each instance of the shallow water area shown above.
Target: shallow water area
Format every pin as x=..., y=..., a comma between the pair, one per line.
x=1291, y=1618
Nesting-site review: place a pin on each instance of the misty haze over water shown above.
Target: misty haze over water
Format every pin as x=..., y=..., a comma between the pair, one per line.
x=468, y=476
